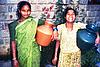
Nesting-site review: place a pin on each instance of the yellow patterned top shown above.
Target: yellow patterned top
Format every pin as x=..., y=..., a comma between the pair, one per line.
x=68, y=38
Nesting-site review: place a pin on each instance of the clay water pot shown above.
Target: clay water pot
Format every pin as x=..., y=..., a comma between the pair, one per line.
x=44, y=33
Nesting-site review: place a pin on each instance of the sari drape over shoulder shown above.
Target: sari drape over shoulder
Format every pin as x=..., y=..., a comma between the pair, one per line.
x=28, y=49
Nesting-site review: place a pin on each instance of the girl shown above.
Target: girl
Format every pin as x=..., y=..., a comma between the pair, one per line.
x=70, y=54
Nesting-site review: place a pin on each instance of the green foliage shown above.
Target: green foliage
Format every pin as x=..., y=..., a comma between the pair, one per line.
x=42, y=20
x=59, y=13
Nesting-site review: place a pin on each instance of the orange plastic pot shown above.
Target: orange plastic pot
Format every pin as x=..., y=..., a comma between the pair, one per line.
x=44, y=33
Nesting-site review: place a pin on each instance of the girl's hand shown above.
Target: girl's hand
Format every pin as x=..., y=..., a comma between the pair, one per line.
x=97, y=41
x=54, y=36
x=54, y=60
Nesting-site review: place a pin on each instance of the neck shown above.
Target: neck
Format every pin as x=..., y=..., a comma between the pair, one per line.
x=69, y=26
x=21, y=19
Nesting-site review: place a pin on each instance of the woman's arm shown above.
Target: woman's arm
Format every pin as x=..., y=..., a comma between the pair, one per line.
x=13, y=47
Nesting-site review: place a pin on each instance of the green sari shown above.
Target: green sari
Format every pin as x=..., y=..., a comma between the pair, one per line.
x=28, y=49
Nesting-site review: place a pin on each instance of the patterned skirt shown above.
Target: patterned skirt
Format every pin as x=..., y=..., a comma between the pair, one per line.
x=70, y=59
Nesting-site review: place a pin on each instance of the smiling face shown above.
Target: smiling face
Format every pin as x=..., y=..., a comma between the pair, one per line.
x=25, y=12
x=70, y=16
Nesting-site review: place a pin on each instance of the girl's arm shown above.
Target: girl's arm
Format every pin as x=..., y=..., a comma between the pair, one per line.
x=54, y=60
x=97, y=41
x=57, y=47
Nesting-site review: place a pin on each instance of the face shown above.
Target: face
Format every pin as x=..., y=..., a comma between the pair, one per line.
x=70, y=16
x=25, y=11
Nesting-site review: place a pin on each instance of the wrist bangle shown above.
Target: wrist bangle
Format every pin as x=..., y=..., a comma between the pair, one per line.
x=14, y=59
x=55, y=29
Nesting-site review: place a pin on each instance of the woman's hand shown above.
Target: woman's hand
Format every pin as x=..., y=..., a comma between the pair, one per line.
x=15, y=63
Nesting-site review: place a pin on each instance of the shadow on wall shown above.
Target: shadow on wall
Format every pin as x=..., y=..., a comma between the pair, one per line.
x=4, y=52
x=5, y=63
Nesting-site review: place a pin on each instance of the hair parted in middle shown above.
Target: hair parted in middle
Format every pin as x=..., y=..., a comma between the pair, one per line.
x=19, y=6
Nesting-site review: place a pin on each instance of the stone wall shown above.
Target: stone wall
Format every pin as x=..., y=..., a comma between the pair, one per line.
x=8, y=14
x=93, y=13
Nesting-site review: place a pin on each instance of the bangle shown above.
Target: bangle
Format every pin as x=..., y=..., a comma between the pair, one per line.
x=55, y=29
x=14, y=59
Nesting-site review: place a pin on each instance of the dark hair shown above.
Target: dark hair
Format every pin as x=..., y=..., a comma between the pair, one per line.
x=69, y=8
x=19, y=6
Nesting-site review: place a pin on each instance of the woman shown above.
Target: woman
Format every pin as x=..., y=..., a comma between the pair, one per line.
x=22, y=36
